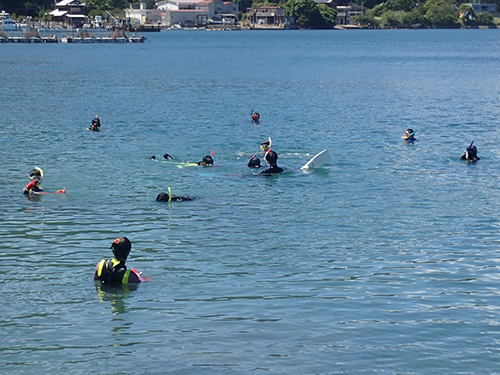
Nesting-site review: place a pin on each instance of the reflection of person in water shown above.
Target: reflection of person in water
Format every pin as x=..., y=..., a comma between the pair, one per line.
x=116, y=294
x=271, y=159
x=114, y=271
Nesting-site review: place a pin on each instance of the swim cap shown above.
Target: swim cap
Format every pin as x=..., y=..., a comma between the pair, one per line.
x=168, y=157
x=121, y=248
x=153, y=157
x=162, y=197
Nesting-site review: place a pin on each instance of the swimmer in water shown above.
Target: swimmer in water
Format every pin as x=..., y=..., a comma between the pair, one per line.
x=165, y=197
x=271, y=159
x=254, y=162
x=409, y=135
x=96, y=124
x=36, y=177
x=114, y=271
x=470, y=155
x=207, y=161
x=255, y=117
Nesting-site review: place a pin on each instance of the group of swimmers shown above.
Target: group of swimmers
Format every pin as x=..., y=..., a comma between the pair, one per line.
x=115, y=272
x=469, y=155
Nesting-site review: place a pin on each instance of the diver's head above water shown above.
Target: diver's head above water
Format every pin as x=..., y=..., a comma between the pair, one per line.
x=207, y=161
x=254, y=162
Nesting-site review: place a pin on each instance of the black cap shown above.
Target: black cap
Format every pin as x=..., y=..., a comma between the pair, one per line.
x=121, y=248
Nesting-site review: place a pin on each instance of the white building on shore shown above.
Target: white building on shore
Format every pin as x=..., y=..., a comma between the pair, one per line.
x=196, y=12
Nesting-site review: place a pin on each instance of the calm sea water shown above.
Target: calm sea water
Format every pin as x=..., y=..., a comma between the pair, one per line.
x=384, y=261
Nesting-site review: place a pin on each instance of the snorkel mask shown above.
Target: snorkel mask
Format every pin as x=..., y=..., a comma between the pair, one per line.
x=36, y=175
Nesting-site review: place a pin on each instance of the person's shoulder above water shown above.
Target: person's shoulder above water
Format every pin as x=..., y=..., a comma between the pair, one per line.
x=165, y=197
x=272, y=170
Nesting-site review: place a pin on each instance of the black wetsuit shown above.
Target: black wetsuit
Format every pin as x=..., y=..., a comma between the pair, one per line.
x=271, y=157
x=164, y=197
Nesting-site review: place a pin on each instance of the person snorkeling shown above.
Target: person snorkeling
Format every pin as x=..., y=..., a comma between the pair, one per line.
x=470, y=154
x=36, y=177
x=167, y=157
x=271, y=159
x=255, y=117
x=114, y=271
x=409, y=135
x=254, y=162
x=207, y=161
x=166, y=197
x=96, y=124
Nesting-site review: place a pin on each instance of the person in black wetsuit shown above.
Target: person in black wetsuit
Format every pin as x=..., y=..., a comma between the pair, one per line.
x=271, y=159
x=207, y=161
x=96, y=124
x=114, y=271
x=164, y=197
x=470, y=155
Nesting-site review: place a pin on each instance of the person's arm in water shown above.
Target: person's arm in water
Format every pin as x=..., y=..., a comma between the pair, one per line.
x=136, y=277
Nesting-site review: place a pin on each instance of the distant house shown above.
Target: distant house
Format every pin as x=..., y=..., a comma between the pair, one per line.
x=345, y=12
x=198, y=12
x=139, y=14
x=483, y=8
x=330, y=3
x=69, y=12
x=266, y=16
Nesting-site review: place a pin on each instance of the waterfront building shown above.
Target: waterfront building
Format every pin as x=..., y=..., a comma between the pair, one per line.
x=197, y=12
x=69, y=12
x=483, y=8
x=263, y=17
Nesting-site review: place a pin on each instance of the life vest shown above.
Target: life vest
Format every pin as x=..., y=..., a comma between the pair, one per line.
x=112, y=272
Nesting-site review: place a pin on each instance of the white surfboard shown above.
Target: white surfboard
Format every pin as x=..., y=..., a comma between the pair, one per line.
x=318, y=160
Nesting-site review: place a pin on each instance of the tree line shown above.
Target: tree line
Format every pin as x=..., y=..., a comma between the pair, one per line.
x=306, y=13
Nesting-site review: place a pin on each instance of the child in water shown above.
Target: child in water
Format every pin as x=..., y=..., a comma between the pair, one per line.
x=96, y=124
x=114, y=271
x=36, y=177
x=271, y=159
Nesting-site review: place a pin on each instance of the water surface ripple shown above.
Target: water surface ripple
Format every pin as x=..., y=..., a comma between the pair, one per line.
x=385, y=261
